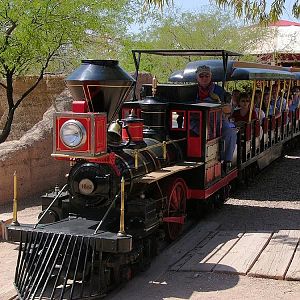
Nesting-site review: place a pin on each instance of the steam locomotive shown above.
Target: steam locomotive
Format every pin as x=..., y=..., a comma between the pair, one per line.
x=136, y=169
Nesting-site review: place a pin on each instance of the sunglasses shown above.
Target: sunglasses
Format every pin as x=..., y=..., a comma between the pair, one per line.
x=204, y=76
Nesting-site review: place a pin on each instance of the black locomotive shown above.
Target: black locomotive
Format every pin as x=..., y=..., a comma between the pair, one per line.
x=136, y=168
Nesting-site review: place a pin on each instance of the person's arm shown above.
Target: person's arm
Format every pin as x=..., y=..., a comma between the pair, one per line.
x=220, y=92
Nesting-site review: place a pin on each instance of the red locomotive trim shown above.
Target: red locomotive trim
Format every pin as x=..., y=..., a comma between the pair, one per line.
x=79, y=106
x=178, y=220
x=95, y=126
x=194, y=146
x=100, y=140
x=204, y=194
x=85, y=121
x=135, y=130
x=109, y=159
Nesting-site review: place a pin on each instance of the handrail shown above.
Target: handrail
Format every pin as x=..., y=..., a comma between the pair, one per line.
x=276, y=98
x=50, y=205
x=107, y=212
x=282, y=96
x=252, y=105
x=269, y=100
x=261, y=100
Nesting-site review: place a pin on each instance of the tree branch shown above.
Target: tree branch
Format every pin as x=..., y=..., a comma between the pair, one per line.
x=11, y=29
x=3, y=85
x=25, y=94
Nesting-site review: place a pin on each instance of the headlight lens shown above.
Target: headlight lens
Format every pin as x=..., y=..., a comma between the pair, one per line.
x=72, y=134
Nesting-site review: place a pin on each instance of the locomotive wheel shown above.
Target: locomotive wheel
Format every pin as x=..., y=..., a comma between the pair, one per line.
x=176, y=208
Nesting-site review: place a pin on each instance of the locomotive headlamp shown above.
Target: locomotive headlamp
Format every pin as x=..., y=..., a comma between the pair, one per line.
x=79, y=135
x=73, y=134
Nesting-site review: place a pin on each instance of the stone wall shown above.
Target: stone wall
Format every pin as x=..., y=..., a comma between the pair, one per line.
x=30, y=157
x=33, y=107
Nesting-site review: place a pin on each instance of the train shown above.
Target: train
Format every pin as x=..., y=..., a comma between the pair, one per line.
x=138, y=170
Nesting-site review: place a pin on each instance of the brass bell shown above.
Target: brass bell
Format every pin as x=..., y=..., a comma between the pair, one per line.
x=114, y=133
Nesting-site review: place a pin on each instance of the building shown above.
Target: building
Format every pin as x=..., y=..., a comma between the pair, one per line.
x=282, y=47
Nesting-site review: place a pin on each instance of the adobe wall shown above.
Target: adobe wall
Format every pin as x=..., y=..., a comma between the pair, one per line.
x=30, y=157
x=33, y=107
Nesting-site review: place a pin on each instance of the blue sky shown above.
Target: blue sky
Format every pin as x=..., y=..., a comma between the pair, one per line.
x=192, y=5
x=204, y=5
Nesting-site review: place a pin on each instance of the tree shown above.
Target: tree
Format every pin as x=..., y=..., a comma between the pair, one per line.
x=35, y=34
x=206, y=30
x=253, y=10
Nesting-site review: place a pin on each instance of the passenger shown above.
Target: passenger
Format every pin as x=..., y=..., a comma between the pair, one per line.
x=259, y=112
x=265, y=101
x=271, y=106
x=277, y=99
x=212, y=93
x=234, y=99
x=242, y=114
x=208, y=91
x=295, y=99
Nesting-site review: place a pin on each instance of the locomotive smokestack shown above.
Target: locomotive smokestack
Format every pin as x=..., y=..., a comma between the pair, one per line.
x=103, y=84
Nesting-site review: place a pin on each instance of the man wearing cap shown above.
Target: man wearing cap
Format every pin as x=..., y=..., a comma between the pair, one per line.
x=208, y=91
x=212, y=93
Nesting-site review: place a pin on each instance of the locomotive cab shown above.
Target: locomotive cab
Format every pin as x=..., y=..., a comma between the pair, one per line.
x=201, y=125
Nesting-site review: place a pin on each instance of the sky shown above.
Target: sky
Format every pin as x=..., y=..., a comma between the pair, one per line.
x=192, y=5
x=204, y=5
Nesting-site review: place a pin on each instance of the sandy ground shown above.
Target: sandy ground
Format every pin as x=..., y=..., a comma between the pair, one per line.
x=28, y=213
x=272, y=202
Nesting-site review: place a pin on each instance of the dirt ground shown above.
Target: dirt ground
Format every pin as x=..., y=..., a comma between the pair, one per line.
x=271, y=202
x=27, y=213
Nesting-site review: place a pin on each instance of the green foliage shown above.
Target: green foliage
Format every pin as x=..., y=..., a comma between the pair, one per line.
x=207, y=30
x=253, y=10
x=33, y=32
x=36, y=36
